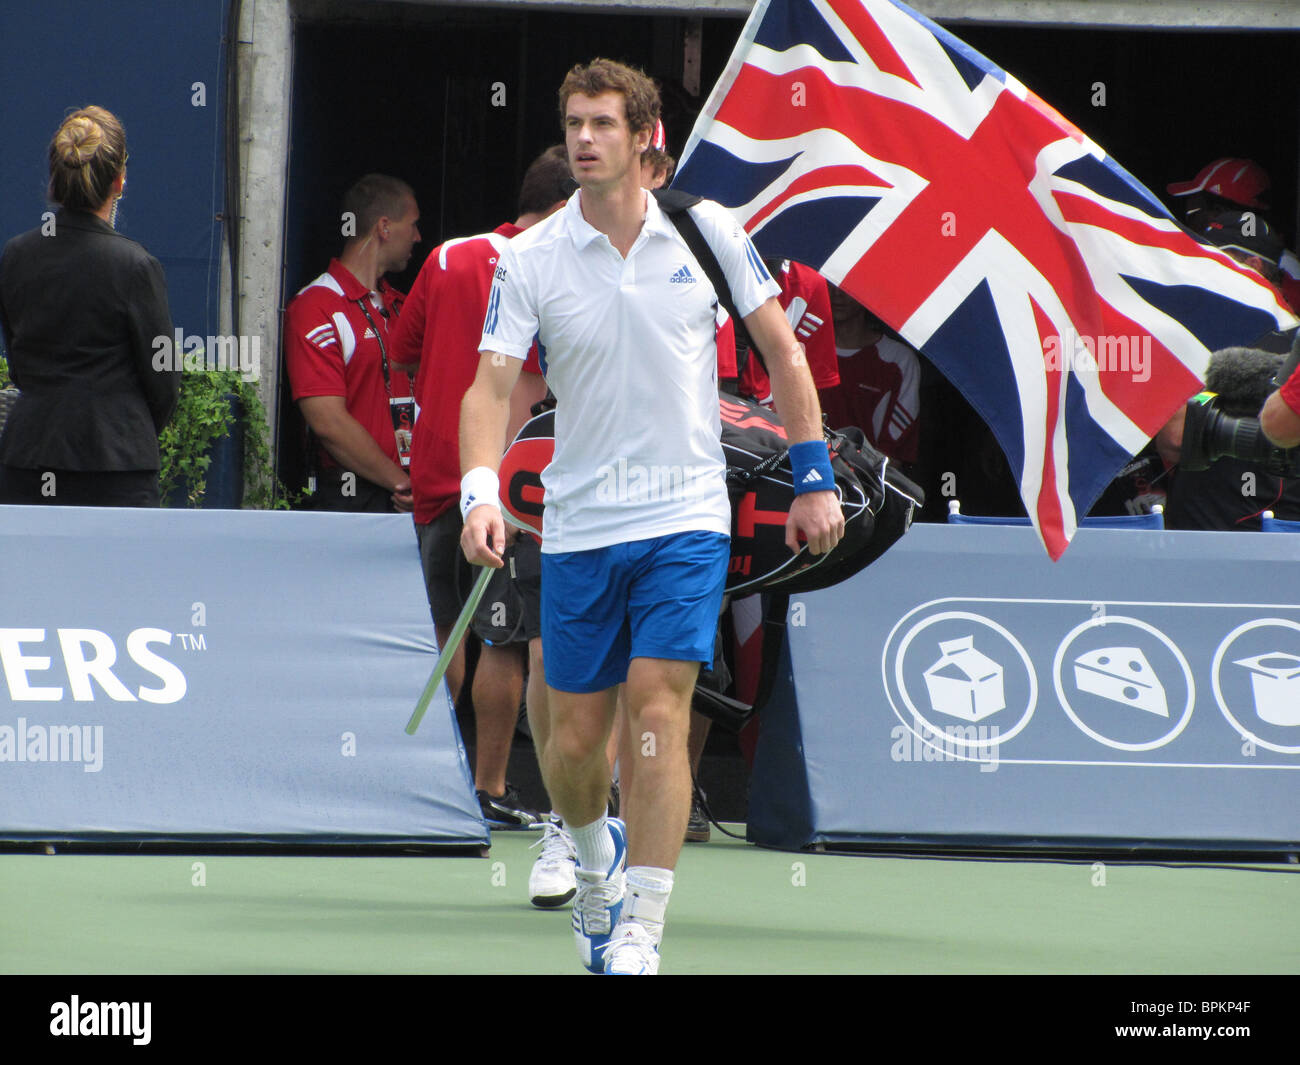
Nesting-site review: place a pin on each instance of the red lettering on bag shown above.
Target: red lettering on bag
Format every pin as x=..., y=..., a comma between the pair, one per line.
x=748, y=515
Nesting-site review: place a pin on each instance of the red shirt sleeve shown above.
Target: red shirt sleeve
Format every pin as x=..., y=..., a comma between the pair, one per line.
x=311, y=350
x=1290, y=392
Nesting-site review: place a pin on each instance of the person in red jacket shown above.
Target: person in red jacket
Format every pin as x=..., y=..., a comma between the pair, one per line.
x=437, y=337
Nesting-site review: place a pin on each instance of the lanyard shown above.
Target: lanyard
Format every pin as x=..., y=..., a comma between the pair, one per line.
x=383, y=350
x=401, y=410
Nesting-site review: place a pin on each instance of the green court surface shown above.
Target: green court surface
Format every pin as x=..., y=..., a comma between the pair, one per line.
x=735, y=909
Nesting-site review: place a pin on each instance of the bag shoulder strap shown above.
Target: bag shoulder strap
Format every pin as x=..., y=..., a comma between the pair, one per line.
x=676, y=205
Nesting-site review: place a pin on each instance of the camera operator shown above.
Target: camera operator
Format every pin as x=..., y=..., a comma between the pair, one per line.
x=1228, y=474
x=1227, y=471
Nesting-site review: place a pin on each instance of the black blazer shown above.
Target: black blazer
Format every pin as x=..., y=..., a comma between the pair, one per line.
x=81, y=310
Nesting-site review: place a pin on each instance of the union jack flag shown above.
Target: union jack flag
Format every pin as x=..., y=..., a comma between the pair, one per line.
x=1050, y=286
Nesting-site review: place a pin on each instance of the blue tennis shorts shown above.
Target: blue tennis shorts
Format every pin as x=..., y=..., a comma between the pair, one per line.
x=656, y=598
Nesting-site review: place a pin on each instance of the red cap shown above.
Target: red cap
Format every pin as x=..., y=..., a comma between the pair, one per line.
x=1239, y=180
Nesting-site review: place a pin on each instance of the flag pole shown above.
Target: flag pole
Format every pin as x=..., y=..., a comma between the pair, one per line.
x=446, y=653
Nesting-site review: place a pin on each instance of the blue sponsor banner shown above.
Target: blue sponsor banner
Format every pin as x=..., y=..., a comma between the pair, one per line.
x=1145, y=690
x=229, y=676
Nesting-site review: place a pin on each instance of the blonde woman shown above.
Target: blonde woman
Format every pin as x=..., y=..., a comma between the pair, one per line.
x=81, y=307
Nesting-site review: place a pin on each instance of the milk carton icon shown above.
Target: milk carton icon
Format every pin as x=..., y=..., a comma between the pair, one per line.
x=964, y=682
x=1275, y=678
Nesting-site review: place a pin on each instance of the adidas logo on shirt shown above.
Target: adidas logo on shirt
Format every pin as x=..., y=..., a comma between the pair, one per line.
x=808, y=325
x=682, y=277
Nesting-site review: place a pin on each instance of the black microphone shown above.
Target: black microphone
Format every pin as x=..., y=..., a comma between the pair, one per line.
x=1222, y=422
x=1243, y=378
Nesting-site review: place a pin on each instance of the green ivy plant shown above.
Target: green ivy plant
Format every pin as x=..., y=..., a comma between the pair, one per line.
x=203, y=416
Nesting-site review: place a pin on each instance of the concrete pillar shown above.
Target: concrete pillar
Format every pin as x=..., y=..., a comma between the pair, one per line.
x=264, y=55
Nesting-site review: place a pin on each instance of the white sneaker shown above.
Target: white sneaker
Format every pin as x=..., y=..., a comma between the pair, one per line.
x=632, y=951
x=598, y=904
x=552, y=882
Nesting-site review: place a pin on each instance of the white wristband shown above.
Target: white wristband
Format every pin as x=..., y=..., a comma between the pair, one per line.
x=477, y=487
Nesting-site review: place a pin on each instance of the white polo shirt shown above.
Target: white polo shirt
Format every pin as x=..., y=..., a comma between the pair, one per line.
x=628, y=349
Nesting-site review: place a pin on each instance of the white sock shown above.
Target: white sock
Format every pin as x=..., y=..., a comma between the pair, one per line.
x=646, y=898
x=594, y=844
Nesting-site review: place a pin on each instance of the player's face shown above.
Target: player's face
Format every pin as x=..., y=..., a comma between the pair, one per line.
x=403, y=235
x=603, y=151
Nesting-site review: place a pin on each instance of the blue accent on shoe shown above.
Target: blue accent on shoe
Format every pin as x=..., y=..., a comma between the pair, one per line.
x=618, y=831
x=598, y=905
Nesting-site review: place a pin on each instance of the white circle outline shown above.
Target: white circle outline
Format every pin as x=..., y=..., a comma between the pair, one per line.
x=1215, y=666
x=1112, y=619
x=907, y=701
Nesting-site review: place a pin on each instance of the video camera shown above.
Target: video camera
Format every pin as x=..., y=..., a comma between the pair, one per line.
x=1209, y=435
x=1240, y=379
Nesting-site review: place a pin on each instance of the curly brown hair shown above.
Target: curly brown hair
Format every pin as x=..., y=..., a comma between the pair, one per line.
x=640, y=94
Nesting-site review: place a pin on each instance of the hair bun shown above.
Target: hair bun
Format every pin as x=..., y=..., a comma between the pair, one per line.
x=79, y=140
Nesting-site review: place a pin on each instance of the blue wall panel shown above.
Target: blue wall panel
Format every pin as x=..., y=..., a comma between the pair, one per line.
x=142, y=60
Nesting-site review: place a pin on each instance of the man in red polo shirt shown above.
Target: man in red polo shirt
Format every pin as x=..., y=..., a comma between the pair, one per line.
x=880, y=381
x=805, y=299
x=336, y=347
x=437, y=337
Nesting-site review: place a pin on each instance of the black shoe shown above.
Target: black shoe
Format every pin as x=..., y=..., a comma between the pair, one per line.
x=507, y=811
x=613, y=799
x=697, y=828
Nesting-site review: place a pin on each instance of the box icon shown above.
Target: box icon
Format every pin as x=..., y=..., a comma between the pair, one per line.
x=1275, y=678
x=964, y=682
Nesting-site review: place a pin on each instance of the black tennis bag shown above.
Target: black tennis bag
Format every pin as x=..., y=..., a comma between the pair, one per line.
x=878, y=502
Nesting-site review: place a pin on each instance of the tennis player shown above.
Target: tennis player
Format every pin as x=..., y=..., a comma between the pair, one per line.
x=637, y=521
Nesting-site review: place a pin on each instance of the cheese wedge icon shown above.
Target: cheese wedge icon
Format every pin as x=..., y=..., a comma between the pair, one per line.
x=1121, y=675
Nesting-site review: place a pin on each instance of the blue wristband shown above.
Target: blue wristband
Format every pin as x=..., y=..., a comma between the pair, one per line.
x=811, y=464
